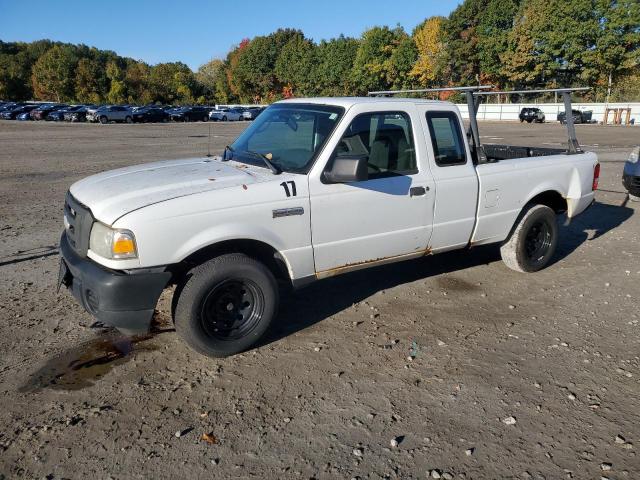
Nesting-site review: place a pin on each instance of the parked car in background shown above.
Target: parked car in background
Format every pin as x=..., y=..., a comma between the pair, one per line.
x=191, y=114
x=13, y=113
x=531, y=114
x=6, y=106
x=77, y=114
x=150, y=114
x=579, y=116
x=226, y=114
x=42, y=111
x=110, y=113
x=251, y=113
x=631, y=175
x=26, y=116
x=58, y=115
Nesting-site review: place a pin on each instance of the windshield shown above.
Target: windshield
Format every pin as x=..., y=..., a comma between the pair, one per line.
x=289, y=134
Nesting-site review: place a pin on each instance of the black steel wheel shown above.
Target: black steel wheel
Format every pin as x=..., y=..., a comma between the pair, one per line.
x=537, y=240
x=533, y=241
x=225, y=305
x=232, y=309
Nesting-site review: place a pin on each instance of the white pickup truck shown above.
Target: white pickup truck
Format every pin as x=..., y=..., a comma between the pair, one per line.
x=311, y=189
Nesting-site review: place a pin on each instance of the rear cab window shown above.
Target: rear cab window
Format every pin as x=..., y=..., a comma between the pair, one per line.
x=446, y=138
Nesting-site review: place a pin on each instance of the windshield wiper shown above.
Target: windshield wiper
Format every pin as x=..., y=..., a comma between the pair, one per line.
x=276, y=170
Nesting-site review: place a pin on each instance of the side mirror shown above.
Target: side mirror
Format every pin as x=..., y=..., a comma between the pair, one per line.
x=348, y=169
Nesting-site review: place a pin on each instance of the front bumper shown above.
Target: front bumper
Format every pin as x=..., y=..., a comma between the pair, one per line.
x=125, y=300
x=632, y=184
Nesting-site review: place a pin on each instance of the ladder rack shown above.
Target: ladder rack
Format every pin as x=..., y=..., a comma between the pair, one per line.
x=474, y=94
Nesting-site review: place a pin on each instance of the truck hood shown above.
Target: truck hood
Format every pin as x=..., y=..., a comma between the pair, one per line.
x=112, y=194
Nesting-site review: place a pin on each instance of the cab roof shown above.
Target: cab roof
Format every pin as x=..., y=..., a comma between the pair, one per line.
x=348, y=102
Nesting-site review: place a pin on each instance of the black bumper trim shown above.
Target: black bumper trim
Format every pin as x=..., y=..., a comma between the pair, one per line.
x=632, y=184
x=122, y=300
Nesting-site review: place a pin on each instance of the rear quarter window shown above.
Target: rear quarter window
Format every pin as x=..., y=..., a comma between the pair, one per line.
x=446, y=139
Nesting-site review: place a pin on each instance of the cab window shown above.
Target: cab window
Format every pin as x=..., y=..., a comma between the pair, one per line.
x=385, y=138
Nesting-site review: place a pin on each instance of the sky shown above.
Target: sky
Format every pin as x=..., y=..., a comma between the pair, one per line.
x=194, y=32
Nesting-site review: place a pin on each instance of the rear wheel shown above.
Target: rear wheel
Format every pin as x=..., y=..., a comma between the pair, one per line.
x=224, y=118
x=226, y=305
x=205, y=118
x=533, y=241
x=128, y=119
x=104, y=120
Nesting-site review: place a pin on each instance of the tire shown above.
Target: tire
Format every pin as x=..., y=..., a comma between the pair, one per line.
x=128, y=119
x=209, y=300
x=224, y=118
x=103, y=120
x=205, y=118
x=533, y=241
x=529, y=120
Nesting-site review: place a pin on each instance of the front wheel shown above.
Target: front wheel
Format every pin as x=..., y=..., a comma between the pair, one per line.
x=533, y=241
x=226, y=305
x=128, y=119
x=104, y=120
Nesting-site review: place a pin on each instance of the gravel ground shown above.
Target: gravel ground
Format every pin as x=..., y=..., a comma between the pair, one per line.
x=448, y=367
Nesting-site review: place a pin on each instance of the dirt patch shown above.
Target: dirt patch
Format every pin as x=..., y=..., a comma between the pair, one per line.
x=451, y=363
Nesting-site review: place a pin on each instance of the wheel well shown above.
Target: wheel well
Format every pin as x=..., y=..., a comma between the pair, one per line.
x=255, y=249
x=551, y=199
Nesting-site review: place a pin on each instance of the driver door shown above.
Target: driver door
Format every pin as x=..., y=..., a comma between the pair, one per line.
x=389, y=215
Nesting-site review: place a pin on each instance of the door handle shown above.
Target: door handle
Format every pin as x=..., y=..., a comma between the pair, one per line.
x=417, y=191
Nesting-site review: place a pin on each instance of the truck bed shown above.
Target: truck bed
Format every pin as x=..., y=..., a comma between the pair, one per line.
x=496, y=152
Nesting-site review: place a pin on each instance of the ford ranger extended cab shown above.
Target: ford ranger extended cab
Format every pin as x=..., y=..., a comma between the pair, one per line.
x=313, y=188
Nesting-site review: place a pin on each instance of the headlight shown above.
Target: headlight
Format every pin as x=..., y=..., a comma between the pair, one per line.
x=112, y=243
x=635, y=154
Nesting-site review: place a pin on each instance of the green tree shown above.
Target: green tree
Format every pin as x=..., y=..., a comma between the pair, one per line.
x=552, y=43
x=377, y=64
x=254, y=72
x=294, y=66
x=172, y=83
x=461, y=62
x=137, y=83
x=494, y=26
x=333, y=65
x=87, y=87
x=617, y=46
x=207, y=77
x=52, y=75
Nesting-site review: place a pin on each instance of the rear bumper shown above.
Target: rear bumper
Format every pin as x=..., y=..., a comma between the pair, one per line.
x=632, y=184
x=119, y=299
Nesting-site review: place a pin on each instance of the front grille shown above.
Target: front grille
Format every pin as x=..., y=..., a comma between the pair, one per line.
x=80, y=221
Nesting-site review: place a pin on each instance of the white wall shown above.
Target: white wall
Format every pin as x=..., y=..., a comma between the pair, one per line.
x=510, y=111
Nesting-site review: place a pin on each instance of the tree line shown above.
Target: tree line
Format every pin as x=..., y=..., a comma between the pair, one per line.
x=507, y=43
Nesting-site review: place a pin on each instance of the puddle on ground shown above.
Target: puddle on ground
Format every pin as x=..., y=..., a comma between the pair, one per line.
x=456, y=284
x=82, y=365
